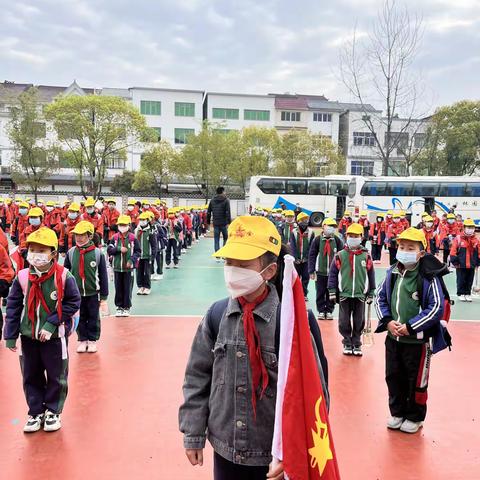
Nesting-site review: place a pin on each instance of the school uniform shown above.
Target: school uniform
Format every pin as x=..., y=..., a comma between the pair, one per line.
x=87, y=264
x=174, y=230
x=377, y=239
x=464, y=256
x=147, y=240
x=7, y=274
x=161, y=234
x=19, y=224
x=96, y=220
x=110, y=218
x=285, y=230
x=343, y=225
x=5, y=218
x=299, y=247
x=431, y=237
x=393, y=231
x=352, y=279
x=448, y=231
x=67, y=239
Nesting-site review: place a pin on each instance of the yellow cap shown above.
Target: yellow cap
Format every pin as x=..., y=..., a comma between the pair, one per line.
x=380, y=214
x=157, y=201
x=289, y=213
x=74, y=207
x=427, y=218
x=23, y=205
x=390, y=212
x=451, y=215
x=413, y=234
x=124, y=220
x=90, y=202
x=132, y=201
x=425, y=214
x=35, y=212
x=83, y=227
x=396, y=215
x=329, y=221
x=50, y=203
x=250, y=237
x=468, y=223
x=402, y=213
x=111, y=200
x=355, y=228
x=145, y=216
x=363, y=213
x=146, y=202
x=43, y=236
x=302, y=216
x=346, y=213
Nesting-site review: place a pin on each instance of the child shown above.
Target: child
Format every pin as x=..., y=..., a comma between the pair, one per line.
x=322, y=251
x=66, y=239
x=448, y=231
x=300, y=241
x=345, y=222
x=352, y=275
x=430, y=234
x=133, y=213
x=174, y=229
x=7, y=274
x=89, y=268
x=286, y=227
x=93, y=217
x=377, y=238
x=365, y=223
x=410, y=304
x=20, y=222
x=124, y=251
x=40, y=308
x=237, y=335
x=35, y=219
x=161, y=236
x=393, y=231
x=110, y=219
x=464, y=257
x=147, y=240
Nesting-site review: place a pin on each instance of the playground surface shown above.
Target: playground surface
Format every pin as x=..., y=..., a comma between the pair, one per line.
x=120, y=419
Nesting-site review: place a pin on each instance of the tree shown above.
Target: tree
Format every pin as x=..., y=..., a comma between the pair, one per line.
x=379, y=66
x=34, y=157
x=97, y=131
x=123, y=183
x=157, y=166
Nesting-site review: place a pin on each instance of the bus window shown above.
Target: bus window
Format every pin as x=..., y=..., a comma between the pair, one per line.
x=374, y=189
x=338, y=188
x=473, y=190
x=317, y=187
x=452, y=190
x=297, y=187
x=400, y=189
x=271, y=185
x=352, y=188
x=425, y=189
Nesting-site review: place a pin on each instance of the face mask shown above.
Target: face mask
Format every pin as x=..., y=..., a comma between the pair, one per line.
x=146, y=207
x=396, y=220
x=130, y=208
x=389, y=216
x=408, y=259
x=380, y=220
x=451, y=221
x=22, y=211
x=143, y=223
x=303, y=225
x=242, y=281
x=123, y=228
x=72, y=215
x=38, y=260
x=469, y=231
x=329, y=231
x=353, y=242
x=429, y=224
x=34, y=221
x=49, y=209
x=81, y=243
x=90, y=210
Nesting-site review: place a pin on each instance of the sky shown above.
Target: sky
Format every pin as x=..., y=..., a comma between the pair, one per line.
x=245, y=46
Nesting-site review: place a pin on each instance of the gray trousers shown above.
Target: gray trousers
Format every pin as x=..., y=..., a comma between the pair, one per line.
x=351, y=321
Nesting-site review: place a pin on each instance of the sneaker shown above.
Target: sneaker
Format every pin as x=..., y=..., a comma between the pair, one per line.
x=52, y=422
x=82, y=347
x=168, y=265
x=468, y=298
x=321, y=316
x=141, y=291
x=394, y=423
x=146, y=291
x=347, y=350
x=34, y=423
x=357, y=351
x=119, y=312
x=160, y=276
x=462, y=298
x=329, y=316
x=154, y=277
x=126, y=312
x=184, y=250
x=175, y=266
x=92, y=346
x=411, y=427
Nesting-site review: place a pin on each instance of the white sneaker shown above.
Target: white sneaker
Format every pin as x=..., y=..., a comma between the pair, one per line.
x=411, y=427
x=119, y=312
x=329, y=316
x=154, y=277
x=141, y=291
x=184, y=250
x=168, y=265
x=357, y=351
x=347, y=350
x=34, y=423
x=92, y=346
x=160, y=276
x=462, y=298
x=468, y=298
x=394, y=423
x=52, y=422
x=126, y=313
x=82, y=347
x=175, y=266
x=146, y=291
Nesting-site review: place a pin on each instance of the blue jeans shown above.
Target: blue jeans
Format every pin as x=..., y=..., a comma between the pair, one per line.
x=216, y=236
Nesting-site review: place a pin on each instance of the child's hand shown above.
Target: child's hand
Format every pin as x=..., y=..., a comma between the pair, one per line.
x=275, y=472
x=44, y=335
x=403, y=331
x=313, y=276
x=124, y=250
x=195, y=456
x=393, y=327
x=129, y=264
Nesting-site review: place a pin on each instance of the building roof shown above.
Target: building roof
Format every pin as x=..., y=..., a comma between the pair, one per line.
x=166, y=89
x=255, y=95
x=46, y=93
x=358, y=107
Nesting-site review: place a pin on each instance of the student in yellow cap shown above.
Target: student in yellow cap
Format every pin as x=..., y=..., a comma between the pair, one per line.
x=87, y=264
x=91, y=215
x=41, y=307
x=352, y=281
x=174, y=230
x=286, y=227
x=35, y=221
x=413, y=322
x=300, y=241
x=147, y=238
x=20, y=223
x=237, y=411
x=393, y=231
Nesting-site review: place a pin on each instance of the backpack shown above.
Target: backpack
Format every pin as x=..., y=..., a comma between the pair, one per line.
x=23, y=281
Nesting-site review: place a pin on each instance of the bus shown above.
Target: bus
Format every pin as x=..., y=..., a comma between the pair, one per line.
x=415, y=195
x=320, y=197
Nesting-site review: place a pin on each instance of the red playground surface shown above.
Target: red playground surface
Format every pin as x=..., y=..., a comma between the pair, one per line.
x=120, y=420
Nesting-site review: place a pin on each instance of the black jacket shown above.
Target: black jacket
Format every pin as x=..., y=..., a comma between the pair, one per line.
x=219, y=207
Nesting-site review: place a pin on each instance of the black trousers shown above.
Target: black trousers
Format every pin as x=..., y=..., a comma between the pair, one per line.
x=376, y=252
x=123, y=289
x=45, y=374
x=351, y=321
x=324, y=305
x=393, y=254
x=446, y=249
x=172, y=251
x=89, y=323
x=226, y=470
x=407, y=367
x=465, y=278
x=159, y=262
x=143, y=273
x=302, y=270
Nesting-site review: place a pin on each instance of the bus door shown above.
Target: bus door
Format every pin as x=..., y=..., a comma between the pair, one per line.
x=429, y=204
x=339, y=189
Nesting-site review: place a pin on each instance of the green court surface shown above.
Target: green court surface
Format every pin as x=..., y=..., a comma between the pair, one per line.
x=192, y=288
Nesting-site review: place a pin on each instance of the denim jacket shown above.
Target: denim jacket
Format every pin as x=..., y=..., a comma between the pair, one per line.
x=217, y=388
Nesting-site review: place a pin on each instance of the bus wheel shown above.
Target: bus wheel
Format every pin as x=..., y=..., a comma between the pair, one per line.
x=316, y=219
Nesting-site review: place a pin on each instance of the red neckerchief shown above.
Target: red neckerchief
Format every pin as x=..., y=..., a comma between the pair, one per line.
x=81, y=265
x=351, y=257
x=35, y=294
x=259, y=371
x=327, y=249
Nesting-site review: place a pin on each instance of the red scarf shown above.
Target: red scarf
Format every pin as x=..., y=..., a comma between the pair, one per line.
x=259, y=371
x=35, y=294
x=81, y=264
x=327, y=249
x=351, y=257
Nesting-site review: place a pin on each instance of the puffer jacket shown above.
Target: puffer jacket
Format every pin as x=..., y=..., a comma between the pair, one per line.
x=219, y=207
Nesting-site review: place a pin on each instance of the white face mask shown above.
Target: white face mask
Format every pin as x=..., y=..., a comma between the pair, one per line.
x=428, y=224
x=353, y=242
x=329, y=231
x=469, y=231
x=242, y=281
x=143, y=223
x=38, y=260
x=130, y=208
x=90, y=210
x=123, y=228
x=49, y=209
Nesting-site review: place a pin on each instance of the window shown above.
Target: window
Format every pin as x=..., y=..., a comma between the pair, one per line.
x=374, y=189
x=322, y=117
x=425, y=189
x=181, y=135
x=361, y=167
x=184, y=109
x=473, y=189
x=158, y=131
x=338, y=188
x=226, y=113
x=453, y=190
x=398, y=140
x=148, y=107
x=116, y=161
x=271, y=185
x=317, y=187
x=258, y=115
x=290, y=116
x=297, y=187
x=366, y=139
x=419, y=140
x=400, y=189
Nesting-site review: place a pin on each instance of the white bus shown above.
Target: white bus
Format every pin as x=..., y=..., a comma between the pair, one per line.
x=416, y=195
x=320, y=197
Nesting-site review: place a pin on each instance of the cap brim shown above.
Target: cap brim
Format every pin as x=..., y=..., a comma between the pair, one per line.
x=238, y=251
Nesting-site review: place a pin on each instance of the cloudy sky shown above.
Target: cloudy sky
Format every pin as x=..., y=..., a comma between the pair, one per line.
x=252, y=46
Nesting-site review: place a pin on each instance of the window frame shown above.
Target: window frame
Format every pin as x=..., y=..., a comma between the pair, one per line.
x=181, y=109
x=146, y=107
x=186, y=132
x=274, y=181
x=226, y=113
x=294, y=181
